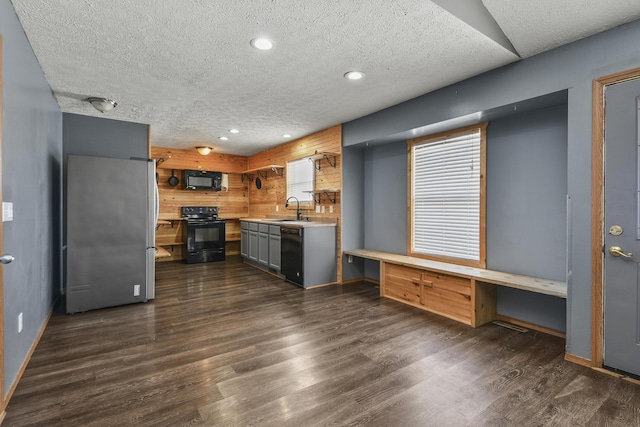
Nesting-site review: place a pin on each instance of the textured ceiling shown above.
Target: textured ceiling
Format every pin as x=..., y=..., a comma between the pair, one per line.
x=186, y=67
x=536, y=26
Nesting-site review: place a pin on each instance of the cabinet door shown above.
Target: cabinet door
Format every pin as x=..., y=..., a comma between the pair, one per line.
x=448, y=295
x=403, y=283
x=263, y=249
x=253, y=245
x=274, y=251
x=244, y=243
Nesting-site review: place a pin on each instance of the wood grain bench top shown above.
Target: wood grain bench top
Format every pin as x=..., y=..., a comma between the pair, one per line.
x=517, y=281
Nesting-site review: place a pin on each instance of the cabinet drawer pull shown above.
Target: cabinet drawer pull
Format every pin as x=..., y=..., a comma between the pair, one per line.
x=428, y=284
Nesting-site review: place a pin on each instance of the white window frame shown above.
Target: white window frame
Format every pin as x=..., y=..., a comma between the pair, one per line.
x=301, y=176
x=428, y=237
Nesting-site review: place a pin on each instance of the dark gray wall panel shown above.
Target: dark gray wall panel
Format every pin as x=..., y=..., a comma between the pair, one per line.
x=102, y=137
x=352, y=225
x=539, y=309
x=385, y=201
x=526, y=209
x=31, y=180
x=571, y=67
x=372, y=269
x=527, y=193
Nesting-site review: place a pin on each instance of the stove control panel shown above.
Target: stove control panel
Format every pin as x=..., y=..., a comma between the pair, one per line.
x=191, y=211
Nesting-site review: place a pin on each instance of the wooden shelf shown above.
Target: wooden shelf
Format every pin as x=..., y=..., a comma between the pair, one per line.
x=233, y=215
x=317, y=194
x=168, y=243
x=264, y=168
x=162, y=252
x=165, y=217
x=262, y=172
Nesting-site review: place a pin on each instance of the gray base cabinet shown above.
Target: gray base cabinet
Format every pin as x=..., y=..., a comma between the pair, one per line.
x=263, y=245
x=244, y=239
x=253, y=241
x=260, y=243
x=274, y=247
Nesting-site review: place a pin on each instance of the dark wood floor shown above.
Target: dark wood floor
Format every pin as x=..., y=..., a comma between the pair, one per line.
x=227, y=345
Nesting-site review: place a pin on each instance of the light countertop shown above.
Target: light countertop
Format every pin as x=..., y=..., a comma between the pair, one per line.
x=289, y=222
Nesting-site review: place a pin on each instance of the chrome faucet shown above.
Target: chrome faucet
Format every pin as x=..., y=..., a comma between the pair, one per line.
x=298, y=212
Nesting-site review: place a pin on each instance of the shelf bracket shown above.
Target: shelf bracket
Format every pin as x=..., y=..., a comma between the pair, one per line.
x=328, y=159
x=315, y=162
x=329, y=197
x=317, y=197
x=249, y=177
x=275, y=170
x=262, y=175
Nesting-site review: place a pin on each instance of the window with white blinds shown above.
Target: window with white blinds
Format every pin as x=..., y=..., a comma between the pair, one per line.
x=300, y=178
x=446, y=188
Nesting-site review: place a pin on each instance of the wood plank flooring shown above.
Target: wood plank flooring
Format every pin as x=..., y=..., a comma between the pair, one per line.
x=225, y=344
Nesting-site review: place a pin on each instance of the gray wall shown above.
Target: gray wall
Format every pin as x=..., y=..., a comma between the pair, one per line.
x=103, y=137
x=571, y=67
x=353, y=228
x=526, y=209
x=385, y=189
x=31, y=180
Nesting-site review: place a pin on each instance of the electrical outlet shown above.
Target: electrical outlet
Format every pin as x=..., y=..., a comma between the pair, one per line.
x=136, y=290
x=20, y=324
x=322, y=209
x=330, y=208
x=317, y=208
x=277, y=208
x=7, y=211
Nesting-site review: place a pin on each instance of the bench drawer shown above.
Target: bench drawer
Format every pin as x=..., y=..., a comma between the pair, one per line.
x=443, y=294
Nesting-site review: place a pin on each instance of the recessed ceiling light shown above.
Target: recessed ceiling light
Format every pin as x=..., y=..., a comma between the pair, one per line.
x=234, y=131
x=354, y=75
x=286, y=135
x=223, y=138
x=262, y=43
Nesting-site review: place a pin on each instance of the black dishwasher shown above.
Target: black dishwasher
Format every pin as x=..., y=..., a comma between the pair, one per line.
x=291, y=252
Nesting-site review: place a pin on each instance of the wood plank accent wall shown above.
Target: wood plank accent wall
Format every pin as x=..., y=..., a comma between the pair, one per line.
x=175, y=158
x=263, y=202
x=232, y=205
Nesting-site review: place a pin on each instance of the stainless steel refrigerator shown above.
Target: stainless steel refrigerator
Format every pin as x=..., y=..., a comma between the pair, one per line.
x=111, y=216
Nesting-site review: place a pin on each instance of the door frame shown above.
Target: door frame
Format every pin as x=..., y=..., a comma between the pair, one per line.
x=2, y=401
x=597, y=210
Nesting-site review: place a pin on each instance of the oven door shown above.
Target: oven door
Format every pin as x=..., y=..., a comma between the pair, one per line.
x=205, y=235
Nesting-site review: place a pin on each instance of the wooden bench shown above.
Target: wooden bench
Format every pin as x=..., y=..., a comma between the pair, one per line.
x=466, y=294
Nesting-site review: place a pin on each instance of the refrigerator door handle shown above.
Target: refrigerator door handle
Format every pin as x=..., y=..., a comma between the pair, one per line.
x=157, y=201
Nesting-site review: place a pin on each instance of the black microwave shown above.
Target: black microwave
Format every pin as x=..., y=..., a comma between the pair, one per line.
x=202, y=180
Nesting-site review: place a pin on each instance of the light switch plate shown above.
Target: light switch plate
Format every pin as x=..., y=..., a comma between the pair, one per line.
x=7, y=211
